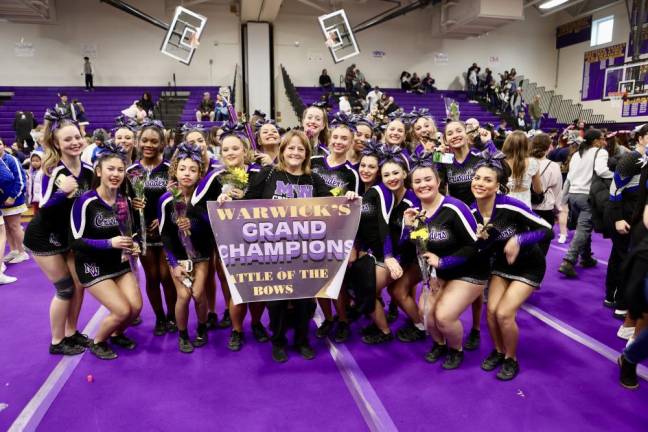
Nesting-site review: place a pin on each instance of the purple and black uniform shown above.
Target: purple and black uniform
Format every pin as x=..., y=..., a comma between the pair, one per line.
x=405, y=253
x=93, y=223
x=512, y=217
x=342, y=176
x=452, y=237
x=49, y=231
x=373, y=230
x=458, y=177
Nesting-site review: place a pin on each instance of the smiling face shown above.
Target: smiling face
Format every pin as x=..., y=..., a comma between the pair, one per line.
x=455, y=135
x=269, y=135
x=313, y=121
x=393, y=176
x=425, y=183
x=125, y=138
x=187, y=172
x=484, y=183
x=294, y=154
x=424, y=127
x=362, y=135
x=340, y=141
x=69, y=141
x=151, y=143
x=395, y=133
x=233, y=151
x=111, y=172
x=196, y=138
x=368, y=169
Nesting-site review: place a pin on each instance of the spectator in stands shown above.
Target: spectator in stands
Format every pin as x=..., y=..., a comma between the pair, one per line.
x=89, y=73
x=359, y=79
x=99, y=137
x=588, y=159
x=213, y=140
x=23, y=124
x=517, y=102
x=390, y=106
x=146, y=101
x=520, y=122
x=140, y=113
x=13, y=206
x=345, y=106
x=404, y=80
x=206, y=108
x=349, y=77
x=222, y=113
x=373, y=97
x=472, y=80
x=79, y=115
x=34, y=179
x=428, y=83
x=512, y=74
x=325, y=82
x=415, y=84
x=14, y=150
x=536, y=113
x=63, y=105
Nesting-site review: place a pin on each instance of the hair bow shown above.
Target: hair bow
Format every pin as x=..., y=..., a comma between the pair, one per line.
x=491, y=160
x=259, y=113
x=391, y=154
x=360, y=120
x=189, y=151
x=416, y=114
x=320, y=104
x=151, y=123
x=422, y=160
x=343, y=119
x=372, y=148
x=111, y=149
x=56, y=117
x=237, y=129
x=264, y=121
x=189, y=127
x=123, y=122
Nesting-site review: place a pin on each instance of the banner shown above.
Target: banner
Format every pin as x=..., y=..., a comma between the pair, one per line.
x=284, y=249
x=596, y=61
x=574, y=32
x=635, y=107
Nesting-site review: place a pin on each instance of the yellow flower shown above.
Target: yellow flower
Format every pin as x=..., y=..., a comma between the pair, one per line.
x=421, y=233
x=240, y=175
x=336, y=191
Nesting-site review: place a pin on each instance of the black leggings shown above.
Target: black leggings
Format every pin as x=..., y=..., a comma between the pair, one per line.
x=282, y=317
x=550, y=217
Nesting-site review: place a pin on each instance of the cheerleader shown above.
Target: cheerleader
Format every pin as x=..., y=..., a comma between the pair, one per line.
x=46, y=238
x=101, y=224
x=456, y=178
x=291, y=178
x=510, y=231
x=340, y=177
x=315, y=124
x=268, y=138
x=188, y=257
x=423, y=132
x=124, y=137
x=153, y=170
x=235, y=154
x=364, y=132
x=13, y=206
x=449, y=245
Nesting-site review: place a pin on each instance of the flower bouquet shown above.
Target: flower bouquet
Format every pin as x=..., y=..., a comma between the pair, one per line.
x=420, y=235
x=122, y=213
x=235, y=178
x=138, y=181
x=180, y=210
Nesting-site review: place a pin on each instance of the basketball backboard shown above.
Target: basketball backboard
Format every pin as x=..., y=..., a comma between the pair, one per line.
x=630, y=79
x=184, y=32
x=338, y=35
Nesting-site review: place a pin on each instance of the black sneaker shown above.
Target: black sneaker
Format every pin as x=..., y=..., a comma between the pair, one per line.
x=185, y=345
x=226, y=322
x=324, y=329
x=306, y=351
x=160, y=328
x=235, y=342
x=342, y=332
x=628, y=377
x=137, y=321
x=171, y=326
x=453, y=359
x=353, y=314
x=212, y=321
x=436, y=352
x=409, y=333
x=494, y=359
x=123, y=341
x=279, y=354
x=567, y=269
x=509, y=370
x=65, y=347
x=473, y=340
x=80, y=339
x=103, y=351
x=588, y=262
x=201, y=339
x=609, y=303
x=620, y=314
x=260, y=333
x=369, y=330
x=378, y=338
x=392, y=312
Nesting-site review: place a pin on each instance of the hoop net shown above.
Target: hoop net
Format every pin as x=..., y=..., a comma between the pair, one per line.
x=616, y=98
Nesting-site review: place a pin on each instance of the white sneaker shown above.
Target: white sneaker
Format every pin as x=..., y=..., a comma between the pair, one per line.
x=625, y=332
x=24, y=256
x=4, y=279
x=562, y=239
x=11, y=255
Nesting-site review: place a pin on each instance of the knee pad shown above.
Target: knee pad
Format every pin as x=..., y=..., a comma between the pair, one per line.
x=64, y=288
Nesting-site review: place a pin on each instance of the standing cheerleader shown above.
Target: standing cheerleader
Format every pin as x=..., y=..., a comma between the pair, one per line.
x=456, y=178
x=46, y=238
x=235, y=154
x=364, y=132
x=124, y=137
x=510, y=231
x=187, y=243
x=153, y=171
x=268, y=138
x=340, y=177
x=101, y=225
x=423, y=132
x=315, y=124
x=449, y=245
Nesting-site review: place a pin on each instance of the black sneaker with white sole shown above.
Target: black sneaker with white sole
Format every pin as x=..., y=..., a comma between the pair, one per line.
x=123, y=341
x=509, y=370
x=66, y=347
x=324, y=329
x=185, y=345
x=342, y=332
x=235, y=342
x=453, y=360
x=378, y=338
x=436, y=352
x=80, y=339
x=494, y=359
x=102, y=351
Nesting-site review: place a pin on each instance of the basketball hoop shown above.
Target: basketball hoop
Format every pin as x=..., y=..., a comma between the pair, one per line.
x=617, y=98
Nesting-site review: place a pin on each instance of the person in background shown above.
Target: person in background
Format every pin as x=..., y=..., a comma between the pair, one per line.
x=23, y=124
x=88, y=72
x=325, y=82
x=63, y=106
x=79, y=115
x=372, y=99
x=428, y=83
x=520, y=121
x=147, y=104
x=222, y=113
x=349, y=77
x=345, y=106
x=404, y=81
x=415, y=84
x=34, y=180
x=536, y=113
x=13, y=206
x=206, y=108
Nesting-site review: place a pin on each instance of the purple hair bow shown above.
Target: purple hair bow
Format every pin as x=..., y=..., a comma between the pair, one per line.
x=343, y=119
x=189, y=126
x=56, y=117
x=416, y=114
x=259, y=114
x=237, y=129
x=372, y=148
x=123, y=122
x=111, y=149
x=152, y=123
x=391, y=154
x=422, y=160
x=490, y=159
x=264, y=121
x=189, y=151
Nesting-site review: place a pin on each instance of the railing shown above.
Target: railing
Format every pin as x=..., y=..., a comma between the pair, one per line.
x=291, y=92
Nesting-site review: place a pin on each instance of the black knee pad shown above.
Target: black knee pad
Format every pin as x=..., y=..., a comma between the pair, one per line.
x=64, y=288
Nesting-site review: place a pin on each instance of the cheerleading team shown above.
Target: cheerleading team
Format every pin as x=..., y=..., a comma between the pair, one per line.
x=315, y=125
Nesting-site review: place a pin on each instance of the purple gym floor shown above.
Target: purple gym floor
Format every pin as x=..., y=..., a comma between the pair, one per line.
x=563, y=385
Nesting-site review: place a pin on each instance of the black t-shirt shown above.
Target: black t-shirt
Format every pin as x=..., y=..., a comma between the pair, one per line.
x=271, y=183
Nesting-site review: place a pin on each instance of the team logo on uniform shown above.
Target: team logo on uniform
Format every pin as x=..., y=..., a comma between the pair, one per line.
x=54, y=241
x=91, y=269
x=103, y=221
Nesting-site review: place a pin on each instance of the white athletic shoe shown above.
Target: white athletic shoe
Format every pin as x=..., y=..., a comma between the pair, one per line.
x=4, y=279
x=562, y=239
x=24, y=256
x=11, y=255
x=625, y=332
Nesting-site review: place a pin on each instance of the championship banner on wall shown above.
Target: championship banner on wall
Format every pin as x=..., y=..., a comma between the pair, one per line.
x=284, y=249
x=574, y=32
x=596, y=61
x=635, y=107
x=643, y=46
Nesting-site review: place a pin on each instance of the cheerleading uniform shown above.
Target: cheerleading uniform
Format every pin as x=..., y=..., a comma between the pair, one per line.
x=94, y=223
x=404, y=252
x=458, y=177
x=511, y=217
x=373, y=230
x=155, y=185
x=18, y=187
x=48, y=232
x=452, y=237
x=342, y=176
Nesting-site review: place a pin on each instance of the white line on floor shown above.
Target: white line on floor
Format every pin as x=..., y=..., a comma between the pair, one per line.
x=565, y=250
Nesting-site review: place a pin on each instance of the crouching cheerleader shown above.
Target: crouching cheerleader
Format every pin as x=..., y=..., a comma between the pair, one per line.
x=511, y=232
x=446, y=238
x=103, y=245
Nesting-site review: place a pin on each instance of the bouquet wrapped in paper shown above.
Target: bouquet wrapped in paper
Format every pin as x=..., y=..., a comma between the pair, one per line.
x=180, y=210
x=235, y=178
x=123, y=215
x=420, y=235
x=138, y=181
x=452, y=109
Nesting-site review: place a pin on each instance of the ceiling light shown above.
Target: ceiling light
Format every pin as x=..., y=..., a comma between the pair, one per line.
x=551, y=3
